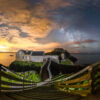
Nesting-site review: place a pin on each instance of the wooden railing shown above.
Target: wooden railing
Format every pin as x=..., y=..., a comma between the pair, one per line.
x=10, y=83
x=85, y=82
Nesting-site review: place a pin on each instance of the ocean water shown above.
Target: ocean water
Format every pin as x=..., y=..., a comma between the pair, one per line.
x=87, y=58
x=7, y=58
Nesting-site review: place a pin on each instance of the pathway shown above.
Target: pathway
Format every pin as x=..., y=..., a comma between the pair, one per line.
x=41, y=93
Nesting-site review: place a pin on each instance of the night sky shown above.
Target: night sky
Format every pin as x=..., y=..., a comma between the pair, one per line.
x=48, y=24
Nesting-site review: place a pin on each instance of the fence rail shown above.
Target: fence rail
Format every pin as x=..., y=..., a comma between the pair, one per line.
x=10, y=83
x=16, y=83
x=84, y=82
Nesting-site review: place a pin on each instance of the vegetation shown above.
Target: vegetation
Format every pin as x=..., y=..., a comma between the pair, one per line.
x=67, y=62
x=9, y=80
x=59, y=51
x=27, y=76
x=28, y=70
x=22, y=66
x=38, y=64
x=32, y=75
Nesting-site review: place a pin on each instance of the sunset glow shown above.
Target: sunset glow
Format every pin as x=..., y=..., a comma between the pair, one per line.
x=47, y=24
x=3, y=48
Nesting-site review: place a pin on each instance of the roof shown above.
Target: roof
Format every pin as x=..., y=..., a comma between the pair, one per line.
x=33, y=53
x=37, y=53
x=25, y=51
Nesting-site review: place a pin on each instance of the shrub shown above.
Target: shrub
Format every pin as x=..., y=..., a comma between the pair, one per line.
x=22, y=66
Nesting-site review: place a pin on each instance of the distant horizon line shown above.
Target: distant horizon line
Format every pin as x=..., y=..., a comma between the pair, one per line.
x=69, y=52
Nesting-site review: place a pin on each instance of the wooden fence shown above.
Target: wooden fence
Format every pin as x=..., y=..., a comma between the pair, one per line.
x=13, y=83
x=85, y=82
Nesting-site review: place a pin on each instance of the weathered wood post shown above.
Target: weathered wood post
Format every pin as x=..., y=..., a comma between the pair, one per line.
x=31, y=84
x=23, y=83
x=23, y=78
x=90, y=81
x=93, y=74
x=0, y=78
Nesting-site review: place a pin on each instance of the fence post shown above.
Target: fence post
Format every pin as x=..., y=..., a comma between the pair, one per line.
x=23, y=83
x=0, y=78
x=31, y=84
x=90, y=71
x=93, y=73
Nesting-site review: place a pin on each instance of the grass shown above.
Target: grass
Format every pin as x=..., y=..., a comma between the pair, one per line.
x=67, y=62
x=28, y=63
x=30, y=76
x=38, y=64
x=20, y=66
x=9, y=80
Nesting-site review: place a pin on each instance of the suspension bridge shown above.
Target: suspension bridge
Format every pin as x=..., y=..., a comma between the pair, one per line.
x=82, y=83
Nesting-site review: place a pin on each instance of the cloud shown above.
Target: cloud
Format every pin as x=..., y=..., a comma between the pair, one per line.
x=54, y=4
x=79, y=42
x=34, y=46
x=18, y=26
x=46, y=24
x=12, y=8
x=19, y=15
x=23, y=34
x=37, y=27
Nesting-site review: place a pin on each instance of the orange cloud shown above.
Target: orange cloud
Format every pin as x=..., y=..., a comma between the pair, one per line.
x=37, y=27
x=15, y=10
x=78, y=42
x=18, y=15
x=34, y=46
x=54, y=4
x=18, y=19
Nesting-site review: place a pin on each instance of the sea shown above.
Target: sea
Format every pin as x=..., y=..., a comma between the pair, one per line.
x=6, y=58
x=86, y=58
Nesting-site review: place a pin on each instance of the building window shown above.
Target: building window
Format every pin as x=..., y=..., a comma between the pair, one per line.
x=20, y=52
x=23, y=58
x=27, y=58
x=32, y=58
x=40, y=59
